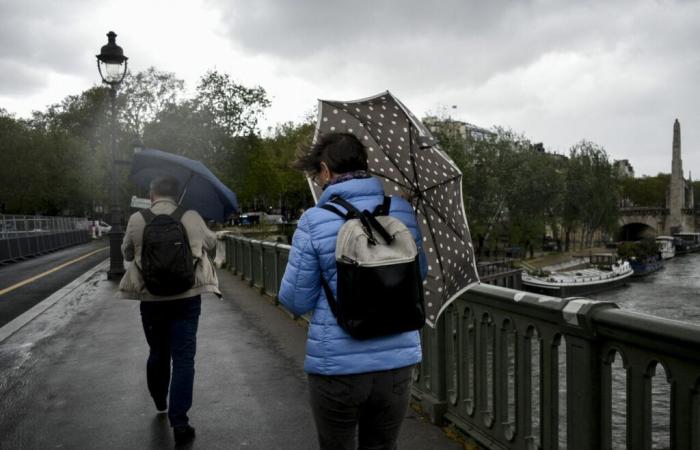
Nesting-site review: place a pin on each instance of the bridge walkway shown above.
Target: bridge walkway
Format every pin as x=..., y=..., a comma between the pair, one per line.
x=74, y=377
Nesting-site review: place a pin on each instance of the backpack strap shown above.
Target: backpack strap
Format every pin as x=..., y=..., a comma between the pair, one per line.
x=352, y=212
x=384, y=208
x=334, y=210
x=378, y=227
x=178, y=213
x=329, y=296
x=147, y=215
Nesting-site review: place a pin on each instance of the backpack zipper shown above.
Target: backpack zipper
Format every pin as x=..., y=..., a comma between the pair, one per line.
x=349, y=260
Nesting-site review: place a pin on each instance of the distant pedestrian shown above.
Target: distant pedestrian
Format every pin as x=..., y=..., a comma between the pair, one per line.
x=170, y=269
x=359, y=388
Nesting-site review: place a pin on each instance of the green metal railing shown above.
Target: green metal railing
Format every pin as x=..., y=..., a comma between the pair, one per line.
x=517, y=370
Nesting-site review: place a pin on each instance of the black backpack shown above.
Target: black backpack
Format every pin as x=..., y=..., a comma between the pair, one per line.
x=380, y=291
x=167, y=264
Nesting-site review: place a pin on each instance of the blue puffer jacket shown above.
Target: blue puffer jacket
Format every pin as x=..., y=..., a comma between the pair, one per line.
x=329, y=349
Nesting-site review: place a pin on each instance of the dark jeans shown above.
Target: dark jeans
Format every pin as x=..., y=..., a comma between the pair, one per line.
x=171, y=332
x=370, y=405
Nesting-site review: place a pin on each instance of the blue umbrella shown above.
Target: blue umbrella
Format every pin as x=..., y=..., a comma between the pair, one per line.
x=201, y=190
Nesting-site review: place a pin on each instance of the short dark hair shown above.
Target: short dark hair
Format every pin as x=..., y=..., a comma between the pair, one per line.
x=342, y=153
x=165, y=186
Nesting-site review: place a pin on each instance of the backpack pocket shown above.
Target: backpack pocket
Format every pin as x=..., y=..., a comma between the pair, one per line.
x=379, y=300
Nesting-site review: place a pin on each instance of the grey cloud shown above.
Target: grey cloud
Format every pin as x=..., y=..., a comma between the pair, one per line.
x=17, y=79
x=37, y=36
x=448, y=42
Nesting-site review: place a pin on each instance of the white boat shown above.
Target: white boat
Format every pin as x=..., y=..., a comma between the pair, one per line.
x=578, y=282
x=666, y=246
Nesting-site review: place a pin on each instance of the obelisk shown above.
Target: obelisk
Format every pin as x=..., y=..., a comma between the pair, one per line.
x=677, y=187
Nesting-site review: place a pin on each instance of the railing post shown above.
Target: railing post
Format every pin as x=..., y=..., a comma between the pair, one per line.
x=584, y=376
x=262, y=266
x=433, y=395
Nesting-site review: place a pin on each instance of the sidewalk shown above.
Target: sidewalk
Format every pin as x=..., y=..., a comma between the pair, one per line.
x=74, y=378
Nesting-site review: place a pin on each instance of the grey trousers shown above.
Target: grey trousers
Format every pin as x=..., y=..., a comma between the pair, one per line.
x=366, y=407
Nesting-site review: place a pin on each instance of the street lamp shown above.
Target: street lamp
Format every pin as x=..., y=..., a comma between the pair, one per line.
x=111, y=63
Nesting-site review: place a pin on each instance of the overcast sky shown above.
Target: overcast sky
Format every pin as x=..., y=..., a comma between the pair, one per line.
x=614, y=72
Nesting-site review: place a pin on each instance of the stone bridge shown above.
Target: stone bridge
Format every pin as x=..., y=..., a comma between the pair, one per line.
x=640, y=222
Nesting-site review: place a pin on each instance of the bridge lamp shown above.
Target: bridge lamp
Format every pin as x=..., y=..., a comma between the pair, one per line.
x=111, y=64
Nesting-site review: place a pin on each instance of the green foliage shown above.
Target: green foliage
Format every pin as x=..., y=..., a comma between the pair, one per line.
x=235, y=108
x=592, y=192
x=641, y=250
x=646, y=191
x=43, y=169
x=268, y=180
x=144, y=95
x=515, y=193
x=60, y=161
x=511, y=189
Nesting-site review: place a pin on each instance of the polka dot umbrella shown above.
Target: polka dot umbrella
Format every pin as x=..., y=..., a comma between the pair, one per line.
x=405, y=156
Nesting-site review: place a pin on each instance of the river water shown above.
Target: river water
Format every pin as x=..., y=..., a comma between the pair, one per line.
x=672, y=293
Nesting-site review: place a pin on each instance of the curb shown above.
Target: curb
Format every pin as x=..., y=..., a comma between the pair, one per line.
x=17, y=323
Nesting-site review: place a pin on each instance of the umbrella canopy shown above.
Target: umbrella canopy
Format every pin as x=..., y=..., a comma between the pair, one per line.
x=200, y=189
x=405, y=156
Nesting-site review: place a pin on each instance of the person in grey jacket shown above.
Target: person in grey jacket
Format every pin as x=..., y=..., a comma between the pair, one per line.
x=170, y=322
x=357, y=387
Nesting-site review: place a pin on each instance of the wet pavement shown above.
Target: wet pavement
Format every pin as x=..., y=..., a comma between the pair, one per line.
x=55, y=270
x=74, y=378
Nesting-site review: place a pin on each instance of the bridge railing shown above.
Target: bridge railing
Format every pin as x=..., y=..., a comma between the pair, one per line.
x=26, y=236
x=517, y=370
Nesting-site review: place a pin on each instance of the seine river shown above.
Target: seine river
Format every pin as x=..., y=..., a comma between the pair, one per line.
x=673, y=293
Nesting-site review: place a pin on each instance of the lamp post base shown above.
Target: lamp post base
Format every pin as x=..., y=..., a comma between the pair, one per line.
x=116, y=260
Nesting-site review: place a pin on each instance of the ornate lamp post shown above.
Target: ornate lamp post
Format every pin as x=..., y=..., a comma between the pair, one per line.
x=111, y=63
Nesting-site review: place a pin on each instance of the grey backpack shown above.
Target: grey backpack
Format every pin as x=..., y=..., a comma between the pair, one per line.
x=379, y=289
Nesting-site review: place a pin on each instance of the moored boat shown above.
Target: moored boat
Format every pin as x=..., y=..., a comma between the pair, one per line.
x=666, y=246
x=686, y=242
x=578, y=282
x=646, y=266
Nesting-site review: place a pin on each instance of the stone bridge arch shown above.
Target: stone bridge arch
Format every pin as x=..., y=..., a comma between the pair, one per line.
x=636, y=231
x=638, y=223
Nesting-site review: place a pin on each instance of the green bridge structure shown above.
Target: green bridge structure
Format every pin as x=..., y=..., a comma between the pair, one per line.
x=516, y=370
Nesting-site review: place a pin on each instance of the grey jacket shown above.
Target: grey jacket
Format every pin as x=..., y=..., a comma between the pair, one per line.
x=201, y=239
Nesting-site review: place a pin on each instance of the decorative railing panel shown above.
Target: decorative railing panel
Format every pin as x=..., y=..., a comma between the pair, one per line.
x=517, y=370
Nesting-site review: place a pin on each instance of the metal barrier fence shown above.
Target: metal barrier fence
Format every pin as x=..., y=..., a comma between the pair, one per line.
x=27, y=236
x=517, y=370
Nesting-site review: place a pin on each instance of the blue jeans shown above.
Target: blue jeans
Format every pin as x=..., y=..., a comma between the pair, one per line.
x=171, y=332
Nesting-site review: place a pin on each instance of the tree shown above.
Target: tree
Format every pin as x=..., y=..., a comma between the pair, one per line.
x=235, y=108
x=592, y=192
x=42, y=168
x=187, y=130
x=646, y=191
x=143, y=96
x=268, y=180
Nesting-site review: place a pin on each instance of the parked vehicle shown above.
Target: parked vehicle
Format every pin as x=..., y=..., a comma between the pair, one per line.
x=100, y=227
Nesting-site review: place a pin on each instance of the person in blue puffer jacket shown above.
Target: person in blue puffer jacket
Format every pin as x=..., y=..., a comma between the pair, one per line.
x=351, y=382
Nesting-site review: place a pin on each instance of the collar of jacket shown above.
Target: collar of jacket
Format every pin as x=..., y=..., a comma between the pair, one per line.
x=164, y=200
x=356, y=187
